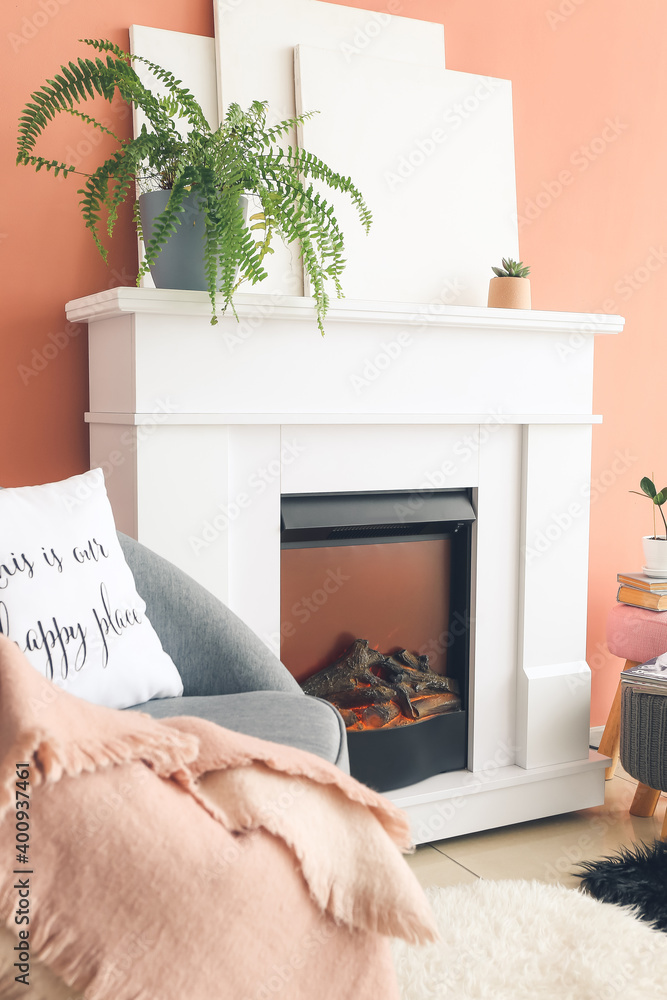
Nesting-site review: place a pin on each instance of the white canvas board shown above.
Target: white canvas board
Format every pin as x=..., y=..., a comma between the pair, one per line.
x=432, y=150
x=255, y=41
x=191, y=58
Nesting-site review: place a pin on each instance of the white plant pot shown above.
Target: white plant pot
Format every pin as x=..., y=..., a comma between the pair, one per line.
x=655, y=553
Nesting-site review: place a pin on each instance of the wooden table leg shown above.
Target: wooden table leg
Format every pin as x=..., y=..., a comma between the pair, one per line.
x=610, y=744
x=645, y=800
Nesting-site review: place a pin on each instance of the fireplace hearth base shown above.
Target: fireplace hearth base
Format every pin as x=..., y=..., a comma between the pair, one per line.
x=388, y=759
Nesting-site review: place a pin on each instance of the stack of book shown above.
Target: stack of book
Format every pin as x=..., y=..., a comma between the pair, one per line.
x=650, y=678
x=642, y=591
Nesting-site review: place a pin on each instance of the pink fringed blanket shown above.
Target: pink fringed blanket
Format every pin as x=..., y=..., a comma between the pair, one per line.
x=181, y=861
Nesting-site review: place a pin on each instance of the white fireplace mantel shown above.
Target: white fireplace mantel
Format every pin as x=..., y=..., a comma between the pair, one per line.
x=201, y=428
x=168, y=302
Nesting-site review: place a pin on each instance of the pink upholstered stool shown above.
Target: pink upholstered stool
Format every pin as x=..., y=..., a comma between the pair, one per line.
x=636, y=635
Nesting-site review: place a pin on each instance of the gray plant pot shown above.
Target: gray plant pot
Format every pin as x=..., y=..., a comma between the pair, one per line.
x=180, y=263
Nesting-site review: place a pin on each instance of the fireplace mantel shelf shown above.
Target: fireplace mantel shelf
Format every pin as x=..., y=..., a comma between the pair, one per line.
x=386, y=363
x=233, y=419
x=119, y=301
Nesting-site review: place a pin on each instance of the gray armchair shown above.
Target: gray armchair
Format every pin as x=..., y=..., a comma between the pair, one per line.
x=229, y=675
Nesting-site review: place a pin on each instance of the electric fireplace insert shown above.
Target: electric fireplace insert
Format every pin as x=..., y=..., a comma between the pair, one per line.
x=375, y=617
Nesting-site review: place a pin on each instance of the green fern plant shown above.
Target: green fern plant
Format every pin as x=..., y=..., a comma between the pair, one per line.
x=511, y=269
x=243, y=155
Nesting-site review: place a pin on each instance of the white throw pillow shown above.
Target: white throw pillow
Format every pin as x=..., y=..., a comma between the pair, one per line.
x=68, y=599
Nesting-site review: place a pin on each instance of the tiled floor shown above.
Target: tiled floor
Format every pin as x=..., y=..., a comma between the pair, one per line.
x=546, y=849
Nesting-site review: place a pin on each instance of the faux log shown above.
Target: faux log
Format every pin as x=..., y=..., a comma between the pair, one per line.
x=376, y=691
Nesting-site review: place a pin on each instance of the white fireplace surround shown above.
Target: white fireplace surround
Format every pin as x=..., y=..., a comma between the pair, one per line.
x=201, y=428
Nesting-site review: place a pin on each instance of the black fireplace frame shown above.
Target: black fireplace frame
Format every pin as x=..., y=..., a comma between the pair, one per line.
x=395, y=758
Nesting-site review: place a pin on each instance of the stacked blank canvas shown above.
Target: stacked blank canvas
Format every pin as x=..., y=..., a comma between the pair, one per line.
x=430, y=148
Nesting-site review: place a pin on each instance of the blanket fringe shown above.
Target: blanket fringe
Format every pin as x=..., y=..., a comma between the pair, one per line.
x=408, y=916
x=295, y=763
x=167, y=752
x=59, y=949
x=415, y=929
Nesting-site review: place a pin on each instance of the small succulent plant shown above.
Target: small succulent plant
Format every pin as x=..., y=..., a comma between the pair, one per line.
x=511, y=269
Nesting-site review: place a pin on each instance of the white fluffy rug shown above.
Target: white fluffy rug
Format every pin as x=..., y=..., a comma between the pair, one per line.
x=529, y=940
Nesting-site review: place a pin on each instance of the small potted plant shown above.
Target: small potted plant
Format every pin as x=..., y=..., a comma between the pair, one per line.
x=655, y=546
x=510, y=289
x=200, y=178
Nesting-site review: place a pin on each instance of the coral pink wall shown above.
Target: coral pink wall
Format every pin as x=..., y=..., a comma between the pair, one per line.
x=589, y=88
x=589, y=85
x=46, y=255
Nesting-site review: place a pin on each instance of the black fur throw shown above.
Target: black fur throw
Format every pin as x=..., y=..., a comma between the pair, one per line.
x=636, y=877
